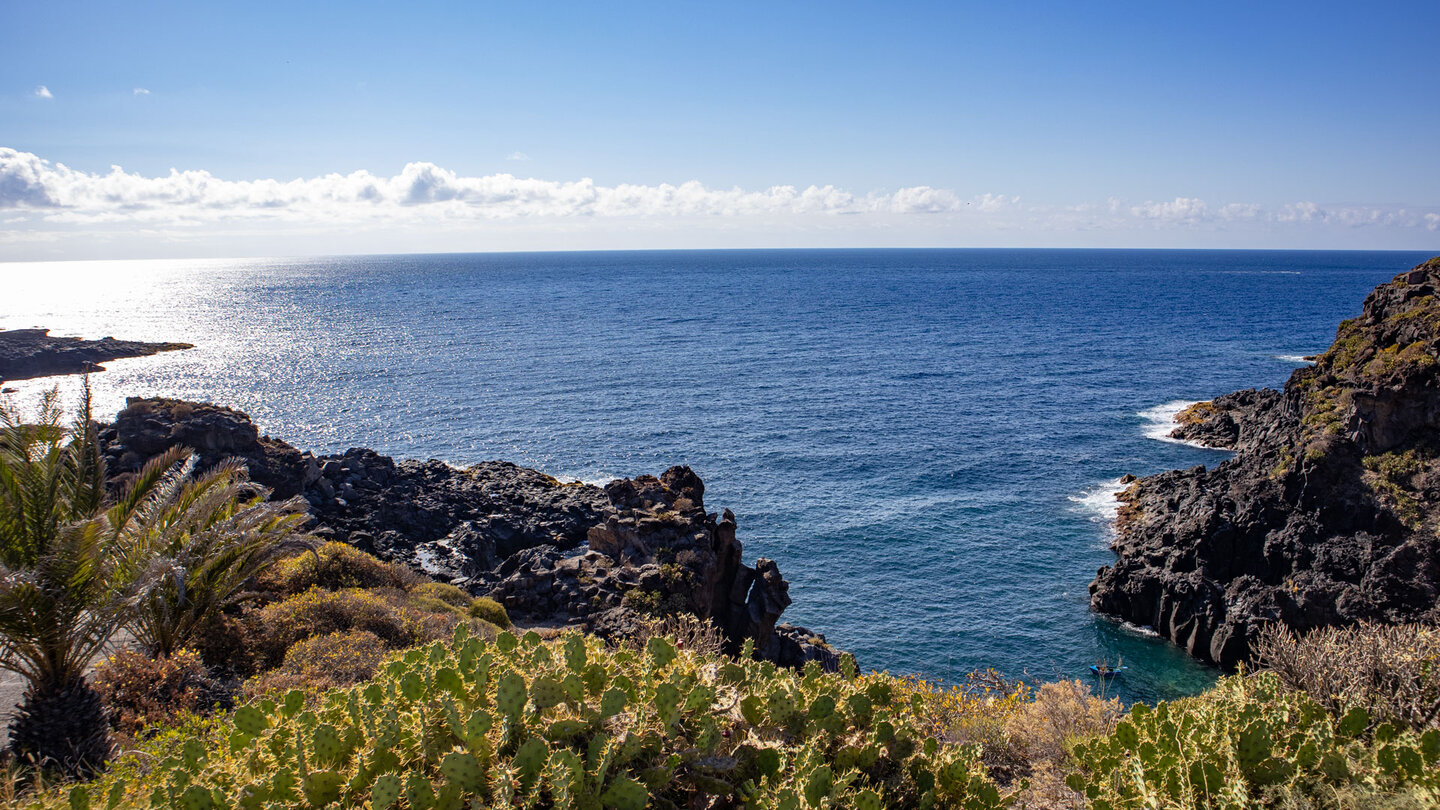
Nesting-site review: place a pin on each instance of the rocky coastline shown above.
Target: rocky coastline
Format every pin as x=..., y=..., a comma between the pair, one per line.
x=29, y=353
x=1327, y=515
x=552, y=553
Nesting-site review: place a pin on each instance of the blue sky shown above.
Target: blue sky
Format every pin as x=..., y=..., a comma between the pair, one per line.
x=1109, y=124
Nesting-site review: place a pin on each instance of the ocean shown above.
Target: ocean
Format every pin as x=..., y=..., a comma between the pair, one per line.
x=927, y=441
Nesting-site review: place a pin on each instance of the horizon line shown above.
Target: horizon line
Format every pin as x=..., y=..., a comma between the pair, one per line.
x=573, y=251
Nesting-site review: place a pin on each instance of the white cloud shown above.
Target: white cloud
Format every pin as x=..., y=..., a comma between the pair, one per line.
x=140, y=91
x=420, y=189
x=43, y=92
x=517, y=156
x=425, y=206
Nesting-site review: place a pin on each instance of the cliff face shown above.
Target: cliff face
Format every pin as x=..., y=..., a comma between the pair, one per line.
x=1328, y=513
x=549, y=551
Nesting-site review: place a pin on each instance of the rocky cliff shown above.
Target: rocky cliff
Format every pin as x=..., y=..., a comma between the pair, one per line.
x=1327, y=514
x=549, y=551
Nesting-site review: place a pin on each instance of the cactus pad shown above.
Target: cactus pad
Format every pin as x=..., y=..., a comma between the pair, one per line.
x=449, y=680
x=546, y=693
x=510, y=695
x=196, y=798
x=574, y=687
x=412, y=686
x=612, y=702
x=294, y=702
x=418, y=793
x=327, y=745
x=868, y=800
x=464, y=771
x=660, y=651
x=251, y=720
x=625, y=793
x=529, y=759
x=667, y=703
x=322, y=787
x=575, y=652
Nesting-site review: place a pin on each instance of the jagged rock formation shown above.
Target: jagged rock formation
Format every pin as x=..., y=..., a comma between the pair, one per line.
x=1328, y=513
x=549, y=551
x=29, y=353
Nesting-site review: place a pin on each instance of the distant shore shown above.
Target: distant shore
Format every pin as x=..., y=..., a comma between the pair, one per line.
x=29, y=353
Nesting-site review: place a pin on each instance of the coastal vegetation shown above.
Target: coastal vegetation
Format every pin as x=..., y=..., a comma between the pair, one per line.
x=269, y=671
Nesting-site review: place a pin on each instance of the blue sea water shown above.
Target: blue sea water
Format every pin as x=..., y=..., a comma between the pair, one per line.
x=925, y=440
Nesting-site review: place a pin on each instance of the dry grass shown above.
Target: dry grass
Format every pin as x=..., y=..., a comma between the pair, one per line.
x=1058, y=714
x=687, y=631
x=971, y=713
x=1391, y=671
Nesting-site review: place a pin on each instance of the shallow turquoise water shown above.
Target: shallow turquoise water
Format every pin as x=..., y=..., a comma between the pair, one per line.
x=922, y=439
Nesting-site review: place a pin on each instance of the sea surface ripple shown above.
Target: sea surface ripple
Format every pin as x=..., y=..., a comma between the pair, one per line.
x=924, y=439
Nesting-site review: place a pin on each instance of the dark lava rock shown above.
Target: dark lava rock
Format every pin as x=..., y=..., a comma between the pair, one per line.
x=29, y=353
x=1327, y=514
x=549, y=551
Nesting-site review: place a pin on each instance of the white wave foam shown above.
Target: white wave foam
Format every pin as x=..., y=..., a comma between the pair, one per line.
x=1298, y=359
x=1099, y=502
x=1139, y=629
x=1160, y=420
x=591, y=480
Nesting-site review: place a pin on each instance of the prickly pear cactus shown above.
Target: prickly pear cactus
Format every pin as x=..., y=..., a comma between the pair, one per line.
x=464, y=771
x=1236, y=744
x=570, y=723
x=625, y=794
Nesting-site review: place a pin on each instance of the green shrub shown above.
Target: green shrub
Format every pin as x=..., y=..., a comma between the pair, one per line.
x=139, y=691
x=569, y=724
x=322, y=662
x=334, y=566
x=491, y=611
x=444, y=592
x=430, y=603
x=1250, y=742
x=385, y=613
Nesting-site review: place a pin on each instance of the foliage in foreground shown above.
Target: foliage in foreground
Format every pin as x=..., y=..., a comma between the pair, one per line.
x=76, y=563
x=1390, y=671
x=1250, y=742
x=565, y=724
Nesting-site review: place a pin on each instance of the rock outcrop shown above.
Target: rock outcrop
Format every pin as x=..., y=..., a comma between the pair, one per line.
x=29, y=353
x=1327, y=514
x=553, y=552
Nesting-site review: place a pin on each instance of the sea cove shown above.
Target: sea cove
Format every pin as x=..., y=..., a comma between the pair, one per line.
x=925, y=440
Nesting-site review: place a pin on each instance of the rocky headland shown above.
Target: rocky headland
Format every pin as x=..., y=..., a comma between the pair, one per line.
x=1327, y=514
x=551, y=552
x=30, y=353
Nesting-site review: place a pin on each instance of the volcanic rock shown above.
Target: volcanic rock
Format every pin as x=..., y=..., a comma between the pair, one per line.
x=549, y=551
x=29, y=353
x=1326, y=515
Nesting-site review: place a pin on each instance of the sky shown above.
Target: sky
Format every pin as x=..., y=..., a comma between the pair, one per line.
x=220, y=129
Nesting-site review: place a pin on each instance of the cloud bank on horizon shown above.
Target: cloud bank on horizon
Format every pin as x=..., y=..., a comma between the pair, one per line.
x=44, y=202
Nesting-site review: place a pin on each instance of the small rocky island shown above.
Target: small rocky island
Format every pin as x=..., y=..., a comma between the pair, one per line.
x=29, y=353
x=1326, y=515
x=553, y=553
